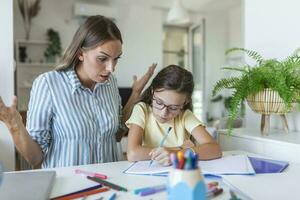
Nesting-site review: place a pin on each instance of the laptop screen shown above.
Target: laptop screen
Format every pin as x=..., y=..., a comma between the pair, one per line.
x=27, y=185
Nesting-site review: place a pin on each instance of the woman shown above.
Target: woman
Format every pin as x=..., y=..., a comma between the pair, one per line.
x=75, y=111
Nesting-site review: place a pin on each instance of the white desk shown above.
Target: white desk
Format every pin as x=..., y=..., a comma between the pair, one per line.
x=67, y=181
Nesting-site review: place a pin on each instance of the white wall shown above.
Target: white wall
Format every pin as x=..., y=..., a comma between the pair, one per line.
x=7, y=153
x=235, y=37
x=271, y=28
x=215, y=45
x=223, y=31
x=142, y=35
x=142, y=28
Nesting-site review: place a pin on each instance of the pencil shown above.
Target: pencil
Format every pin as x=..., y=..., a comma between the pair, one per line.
x=162, y=142
x=79, y=191
x=108, y=184
x=82, y=194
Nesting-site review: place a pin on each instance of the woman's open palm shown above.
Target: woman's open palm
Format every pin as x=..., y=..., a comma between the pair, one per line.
x=139, y=84
x=9, y=115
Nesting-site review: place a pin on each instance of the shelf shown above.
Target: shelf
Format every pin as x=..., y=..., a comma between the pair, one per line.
x=28, y=42
x=33, y=64
x=36, y=64
x=277, y=144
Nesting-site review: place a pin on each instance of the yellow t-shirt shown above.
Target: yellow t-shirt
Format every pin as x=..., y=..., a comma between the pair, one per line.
x=182, y=126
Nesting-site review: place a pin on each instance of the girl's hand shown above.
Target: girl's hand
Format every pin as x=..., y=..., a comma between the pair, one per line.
x=9, y=115
x=161, y=155
x=139, y=84
x=187, y=144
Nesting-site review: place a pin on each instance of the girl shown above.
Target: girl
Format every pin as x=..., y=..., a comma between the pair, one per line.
x=165, y=108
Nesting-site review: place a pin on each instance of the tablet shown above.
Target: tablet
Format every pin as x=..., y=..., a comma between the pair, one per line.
x=263, y=165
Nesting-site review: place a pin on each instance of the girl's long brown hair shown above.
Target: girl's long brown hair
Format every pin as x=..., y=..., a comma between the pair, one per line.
x=94, y=31
x=174, y=78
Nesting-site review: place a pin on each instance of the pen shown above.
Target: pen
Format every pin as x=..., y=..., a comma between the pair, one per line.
x=162, y=141
x=214, y=193
x=139, y=190
x=113, y=196
x=80, y=191
x=108, y=184
x=152, y=191
x=79, y=171
x=212, y=184
x=180, y=158
x=174, y=160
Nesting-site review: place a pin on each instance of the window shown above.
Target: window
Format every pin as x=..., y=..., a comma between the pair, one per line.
x=184, y=46
x=175, y=46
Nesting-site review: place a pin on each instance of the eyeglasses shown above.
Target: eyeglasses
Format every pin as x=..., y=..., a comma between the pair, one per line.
x=159, y=104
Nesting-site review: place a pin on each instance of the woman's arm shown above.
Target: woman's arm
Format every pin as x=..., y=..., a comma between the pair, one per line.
x=137, y=88
x=208, y=148
x=135, y=150
x=28, y=148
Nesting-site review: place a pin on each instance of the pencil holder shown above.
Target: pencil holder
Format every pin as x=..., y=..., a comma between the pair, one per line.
x=186, y=184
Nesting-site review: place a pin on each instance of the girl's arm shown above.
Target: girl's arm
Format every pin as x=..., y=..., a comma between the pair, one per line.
x=208, y=148
x=135, y=150
x=28, y=148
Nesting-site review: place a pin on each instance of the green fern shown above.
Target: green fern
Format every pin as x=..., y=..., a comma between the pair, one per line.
x=281, y=76
x=252, y=54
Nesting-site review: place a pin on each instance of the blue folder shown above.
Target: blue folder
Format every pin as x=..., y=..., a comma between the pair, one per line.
x=263, y=165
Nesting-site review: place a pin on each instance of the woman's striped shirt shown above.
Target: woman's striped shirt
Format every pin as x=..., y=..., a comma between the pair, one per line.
x=72, y=124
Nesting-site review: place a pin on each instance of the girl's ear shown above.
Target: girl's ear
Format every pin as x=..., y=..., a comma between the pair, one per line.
x=80, y=55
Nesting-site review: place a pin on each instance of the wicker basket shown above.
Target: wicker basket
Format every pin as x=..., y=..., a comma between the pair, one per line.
x=267, y=102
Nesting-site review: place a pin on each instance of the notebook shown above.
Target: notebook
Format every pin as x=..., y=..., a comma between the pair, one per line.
x=27, y=185
x=263, y=165
x=236, y=164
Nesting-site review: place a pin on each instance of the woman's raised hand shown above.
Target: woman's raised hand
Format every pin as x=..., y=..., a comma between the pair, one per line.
x=139, y=84
x=9, y=115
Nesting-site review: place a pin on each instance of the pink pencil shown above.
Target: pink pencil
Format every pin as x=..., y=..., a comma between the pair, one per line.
x=79, y=171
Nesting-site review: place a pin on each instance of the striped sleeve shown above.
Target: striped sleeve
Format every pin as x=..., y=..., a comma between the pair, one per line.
x=40, y=114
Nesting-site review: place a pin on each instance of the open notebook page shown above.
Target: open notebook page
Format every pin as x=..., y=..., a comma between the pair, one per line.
x=237, y=164
x=144, y=167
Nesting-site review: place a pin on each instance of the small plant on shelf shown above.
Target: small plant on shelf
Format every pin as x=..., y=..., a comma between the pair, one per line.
x=270, y=86
x=54, y=46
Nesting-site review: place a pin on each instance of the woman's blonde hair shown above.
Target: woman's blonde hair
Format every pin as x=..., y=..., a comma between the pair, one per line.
x=94, y=31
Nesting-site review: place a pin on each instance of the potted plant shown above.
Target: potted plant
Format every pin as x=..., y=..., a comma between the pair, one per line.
x=54, y=46
x=270, y=86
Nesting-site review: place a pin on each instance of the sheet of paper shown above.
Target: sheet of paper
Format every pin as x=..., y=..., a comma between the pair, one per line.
x=143, y=167
x=237, y=164
x=276, y=186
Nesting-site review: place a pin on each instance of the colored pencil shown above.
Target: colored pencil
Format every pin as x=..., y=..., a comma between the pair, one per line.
x=82, y=194
x=80, y=191
x=108, y=184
